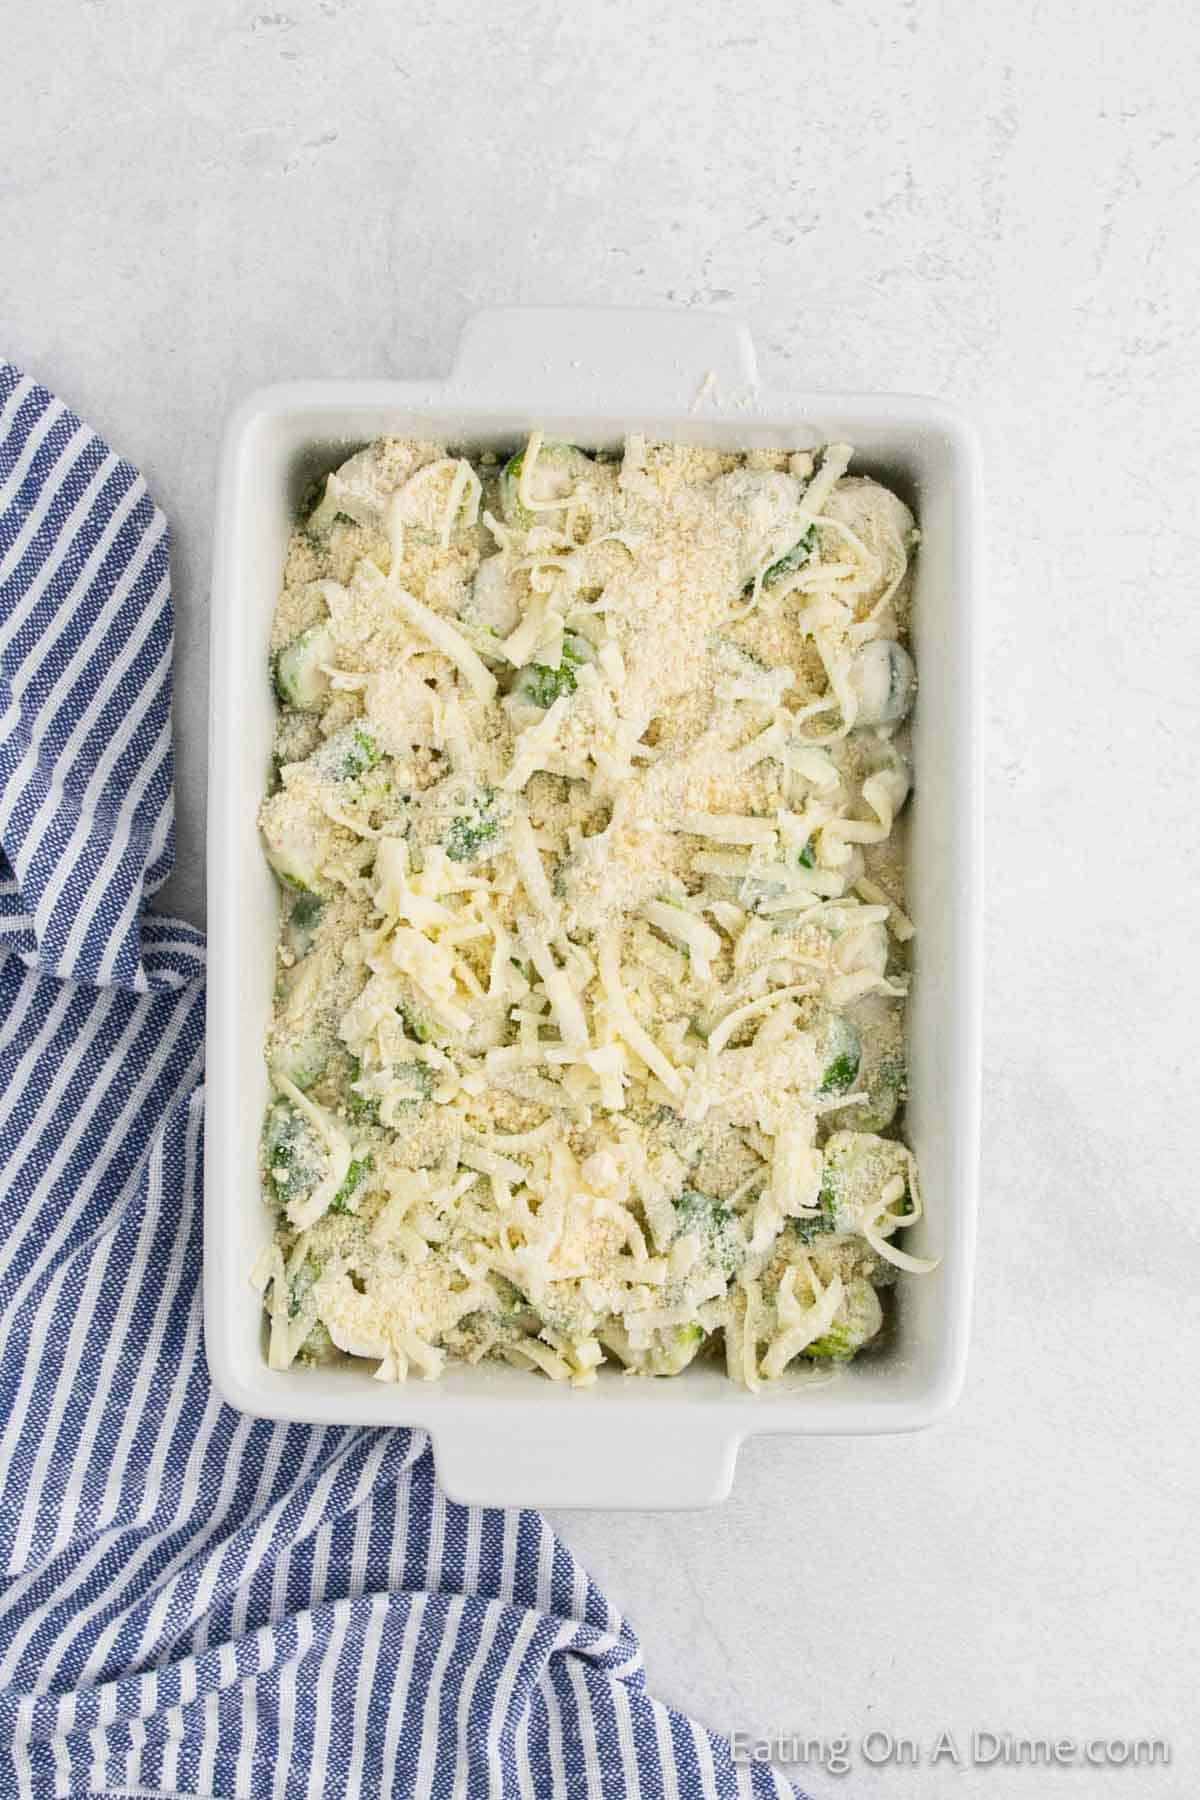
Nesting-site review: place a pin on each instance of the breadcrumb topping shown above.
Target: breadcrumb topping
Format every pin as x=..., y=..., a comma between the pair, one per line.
x=588, y=1034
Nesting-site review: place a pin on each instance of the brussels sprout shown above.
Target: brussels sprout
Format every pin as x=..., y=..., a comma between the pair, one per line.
x=540, y=685
x=302, y=917
x=300, y=678
x=304, y=1059
x=841, y=1055
x=305, y=915
x=361, y=1108
x=817, y=1225
x=342, y=499
x=367, y=1104
x=494, y=604
x=292, y=845
x=347, y=1198
x=885, y=1082
x=702, y=1216
x=697, y=1211
x=348, y=754
x=318, y=1347
x=576, y=649
x=882, y=679
x=416, y=1023
x=557, y=469
x=296, y=830
x=297, y=735
x=857, y=1321
x=510, y=1302
x=665, y=1352
x=293, y=1155
x=674, y=1349
x=858, y=1166
x=415, y=1076
x=301, y=1286
x=788, y=563
x=473, y=829
x=882, y=1072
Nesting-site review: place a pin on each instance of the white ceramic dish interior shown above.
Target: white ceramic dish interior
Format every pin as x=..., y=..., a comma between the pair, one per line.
x=502, y=1436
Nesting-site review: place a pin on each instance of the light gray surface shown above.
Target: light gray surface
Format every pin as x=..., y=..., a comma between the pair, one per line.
x=993, y=203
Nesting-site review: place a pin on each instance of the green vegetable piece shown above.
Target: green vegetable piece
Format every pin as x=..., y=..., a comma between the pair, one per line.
x=538, y=684
x=348, y=754
x=836, y=1345
x=842, y=1050
x=700, y=1211
x=829, y=1198
x=415, y=1026
x=470, y=831
x=839, y=1075
x=467, y=837
x=416, y=1075
x=858, y=1165
x=672, y=1350
x=360, y=1108
x=292, y=847
x=356, y=1174
x=300, y=678
x=293, y=1156
x=542, y=686
x=807, y=857
x=511, y=1303
x=810, y=1229
x=310, y=498
x=883, y=681
x=318, y=1347
x=789, y=562
x=294, y=874
x=301, y=1285
x=558, y=468
x=336, y=503
x=304, y=1061
x=886, y=1085
x=510, y=503
x=306, y=912
x=883, y=1078
x=303, y=918
x=858, y=1322
x=702, y=1216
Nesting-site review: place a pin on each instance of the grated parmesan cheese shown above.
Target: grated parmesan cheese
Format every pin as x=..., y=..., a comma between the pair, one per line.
x=589, y=953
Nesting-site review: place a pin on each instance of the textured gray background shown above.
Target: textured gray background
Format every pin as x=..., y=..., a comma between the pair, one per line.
x=993, y=202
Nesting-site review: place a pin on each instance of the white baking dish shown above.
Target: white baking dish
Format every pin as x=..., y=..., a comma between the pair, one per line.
x=502, y=1436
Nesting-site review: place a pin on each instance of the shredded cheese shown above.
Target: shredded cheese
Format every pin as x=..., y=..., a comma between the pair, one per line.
x=589, y=958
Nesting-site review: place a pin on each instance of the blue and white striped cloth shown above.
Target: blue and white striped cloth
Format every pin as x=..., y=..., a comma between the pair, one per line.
x=194, y=1602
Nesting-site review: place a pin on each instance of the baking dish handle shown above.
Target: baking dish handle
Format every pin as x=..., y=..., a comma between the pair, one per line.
x=560, y=1460
x=631, y=357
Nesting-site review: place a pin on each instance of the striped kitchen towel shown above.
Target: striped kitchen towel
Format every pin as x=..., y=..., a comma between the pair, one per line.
x=194, y=1602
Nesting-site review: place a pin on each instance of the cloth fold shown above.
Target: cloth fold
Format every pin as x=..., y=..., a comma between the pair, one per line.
x=194, y=1602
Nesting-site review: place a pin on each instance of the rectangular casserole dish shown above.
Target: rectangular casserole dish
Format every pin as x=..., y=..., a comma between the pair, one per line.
x=502, y=1436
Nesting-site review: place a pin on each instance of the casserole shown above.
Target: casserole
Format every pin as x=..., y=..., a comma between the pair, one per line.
x=589, y=376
